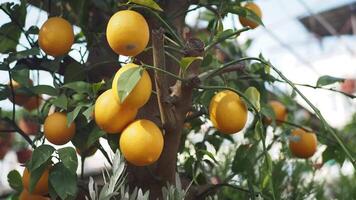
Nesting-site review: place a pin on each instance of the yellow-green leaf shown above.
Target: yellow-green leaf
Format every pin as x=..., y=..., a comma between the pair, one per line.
x=254, y=96
x=148, y=3
x=185, y=62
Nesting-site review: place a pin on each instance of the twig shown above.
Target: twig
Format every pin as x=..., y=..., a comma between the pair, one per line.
x=322, y=88
x=307, y=130
x=82, y=168
x=207, y=48
x=167, y=26
x=18, y=130
x=213, y=188
x=295, y=125
x=7, y=131
x=195, y=115
x=259, y=117
x=12, y=93
x=223, y=67
x=164, y=71
x=315, y=109
x=105, y=154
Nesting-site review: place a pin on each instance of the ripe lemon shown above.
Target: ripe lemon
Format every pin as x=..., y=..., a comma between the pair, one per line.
x=25, y=195
x=56, y=36
x=141, y=142
x=141, y=92
x=56, y=130
x=20, y=98
x=110, y=115
x=255, y=9
x=279, y=110
x=127, y=33
x=305, y=144
x=228, y=112
x=41, y=187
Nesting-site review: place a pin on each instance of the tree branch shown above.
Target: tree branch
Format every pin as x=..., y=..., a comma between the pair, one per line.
x=213, y=188
x=18, y=130
x=159, y=62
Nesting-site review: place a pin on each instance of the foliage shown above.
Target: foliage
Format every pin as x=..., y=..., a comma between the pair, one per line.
x=114, y=184
x=255, y=163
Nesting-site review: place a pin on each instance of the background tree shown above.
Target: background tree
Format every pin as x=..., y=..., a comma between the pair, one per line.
x=187, y=67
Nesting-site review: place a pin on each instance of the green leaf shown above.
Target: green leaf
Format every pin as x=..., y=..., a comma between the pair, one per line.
x=97, y=86
x=16, y=11
x=23, y=54
x=112, y=140
x=254, y=96
x=4, y=66
x=4, y=93
x=185, y=62
x=44, y=89
x=74, y=72
x=266, y=172
x=36, y=174
x=89, y=112
x=69, y=158
x=327, y=80
x=127, y=82
x=94, y=136
x=71, y=116
x=207, y=153
x=39, y=156
x=51, y=65
x=333, y=153
x=9, y=37
x=223, y=35
x=148, y=3
x=257, y=131
x=207, y=60
x=61, y=102
x=79, y=87
x=63, y=181
x=21, y=76
x=15, y=180
x=241, y=162
x=103, y=5
x=268, y=112
x=244, y=12
x=52, y=192
x=10, y=32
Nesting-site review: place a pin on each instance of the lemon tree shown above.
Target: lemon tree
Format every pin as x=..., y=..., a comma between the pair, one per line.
x=191, y=115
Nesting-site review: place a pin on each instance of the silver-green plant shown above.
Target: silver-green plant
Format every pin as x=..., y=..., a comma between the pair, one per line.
x=175, y=192
x=114, y=184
